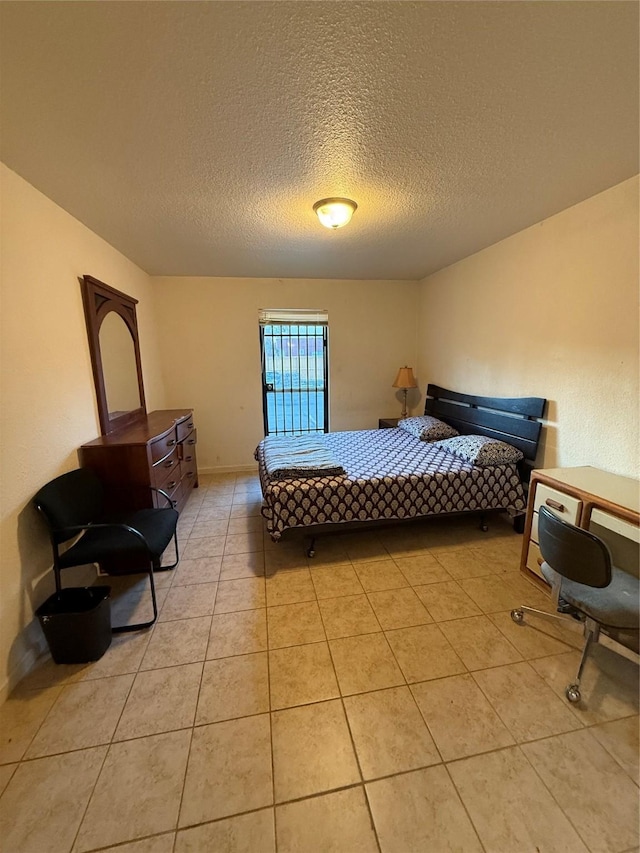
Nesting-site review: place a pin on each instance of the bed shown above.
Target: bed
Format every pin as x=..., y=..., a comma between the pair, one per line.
x=391, y=475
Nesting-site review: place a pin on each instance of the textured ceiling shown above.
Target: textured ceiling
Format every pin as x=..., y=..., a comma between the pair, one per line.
x=196, y=136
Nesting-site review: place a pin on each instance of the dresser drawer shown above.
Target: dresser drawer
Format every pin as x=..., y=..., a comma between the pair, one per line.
x=171, y=487
x=187, y=446
x=184, y=428
x=167, y=468
x=163, y=446
x=189, y=469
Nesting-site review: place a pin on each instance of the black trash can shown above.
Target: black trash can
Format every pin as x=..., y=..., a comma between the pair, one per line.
x=77, y=623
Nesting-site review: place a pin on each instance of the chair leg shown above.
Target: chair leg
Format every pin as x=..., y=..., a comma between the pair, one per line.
x=592, y=633
x=173, y=565
x=123, y=629
x=518, y=614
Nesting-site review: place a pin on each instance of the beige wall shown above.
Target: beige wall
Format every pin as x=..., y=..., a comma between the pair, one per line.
x=48, y=401
x=211, y=352
x=552, y=312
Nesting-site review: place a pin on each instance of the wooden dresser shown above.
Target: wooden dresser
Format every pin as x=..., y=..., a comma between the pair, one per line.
x=158, y=450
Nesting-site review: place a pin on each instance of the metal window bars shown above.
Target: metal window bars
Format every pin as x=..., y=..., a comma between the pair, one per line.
x=295, y=385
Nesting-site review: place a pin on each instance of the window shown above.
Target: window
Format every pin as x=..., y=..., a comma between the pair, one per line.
x=295, y=387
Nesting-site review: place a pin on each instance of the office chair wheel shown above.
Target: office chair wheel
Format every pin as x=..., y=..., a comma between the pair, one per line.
x=517, y=616
x=573, y=693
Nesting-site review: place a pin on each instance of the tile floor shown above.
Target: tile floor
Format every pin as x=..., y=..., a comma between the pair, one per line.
x=375, y=698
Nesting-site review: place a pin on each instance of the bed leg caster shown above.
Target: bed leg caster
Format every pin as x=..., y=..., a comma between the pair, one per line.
x=484, y=524
x=518, y=523
x=311, y=550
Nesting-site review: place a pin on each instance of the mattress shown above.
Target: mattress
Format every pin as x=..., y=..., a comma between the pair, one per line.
x=390, y=475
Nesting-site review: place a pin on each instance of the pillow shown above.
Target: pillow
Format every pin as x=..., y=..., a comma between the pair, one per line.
x=427, y=428
x=481, y=450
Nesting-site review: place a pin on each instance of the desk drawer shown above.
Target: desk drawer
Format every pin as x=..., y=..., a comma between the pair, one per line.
x=617, y=525
x=564, y=506
x=534, y=559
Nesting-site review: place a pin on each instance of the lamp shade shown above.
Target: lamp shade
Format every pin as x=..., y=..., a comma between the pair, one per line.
x=405, y=378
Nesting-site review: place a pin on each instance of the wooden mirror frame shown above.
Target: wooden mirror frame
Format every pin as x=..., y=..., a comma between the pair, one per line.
x=99, y=300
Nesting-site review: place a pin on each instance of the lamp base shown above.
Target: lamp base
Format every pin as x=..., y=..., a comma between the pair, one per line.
x=404, y=405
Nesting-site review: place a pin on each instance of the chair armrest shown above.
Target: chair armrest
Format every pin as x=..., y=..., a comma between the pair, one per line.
x=171, y=503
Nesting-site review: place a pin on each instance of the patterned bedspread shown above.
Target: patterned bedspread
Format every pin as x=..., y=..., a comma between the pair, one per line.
x=390, y=474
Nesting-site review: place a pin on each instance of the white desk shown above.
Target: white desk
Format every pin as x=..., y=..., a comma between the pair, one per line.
x=607, y=504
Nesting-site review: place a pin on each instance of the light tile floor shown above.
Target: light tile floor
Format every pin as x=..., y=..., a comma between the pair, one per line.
x=377, y=697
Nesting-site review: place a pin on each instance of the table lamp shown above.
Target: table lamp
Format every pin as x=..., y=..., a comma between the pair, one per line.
x=405, y=380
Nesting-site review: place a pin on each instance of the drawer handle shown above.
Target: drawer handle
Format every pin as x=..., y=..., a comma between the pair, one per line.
x=540, y=561
x=191, y=441
x=191, y=474
x=171, y=442
x=190, y=426
x=169, y=463
x=555, y=504
x=171, y=484
x=188, y=458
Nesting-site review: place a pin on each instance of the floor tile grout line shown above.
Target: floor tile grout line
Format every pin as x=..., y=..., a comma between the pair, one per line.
x=177, y=826
x=547, y=788
x=408, y=629
x=362, y=783
x=186, y=766
x=497, y=712
x=91, y=746
x=317, y=794
x=362, y=780
x=109, y=743
x=371, y=817
x=42, y=722
x=382, y=628
x=345, y=636
x=90, y=797
x=586, y=728
x=464, y=806
x=608, y=751
x=271, y=750
x=121, y=844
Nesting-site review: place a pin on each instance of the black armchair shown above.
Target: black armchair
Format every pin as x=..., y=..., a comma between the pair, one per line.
x=579, y=569
x=126, y=543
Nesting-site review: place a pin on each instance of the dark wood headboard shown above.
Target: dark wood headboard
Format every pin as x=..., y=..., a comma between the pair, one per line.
x=510, y=419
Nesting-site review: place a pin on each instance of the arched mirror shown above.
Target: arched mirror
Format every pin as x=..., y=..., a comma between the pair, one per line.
x=115, y=354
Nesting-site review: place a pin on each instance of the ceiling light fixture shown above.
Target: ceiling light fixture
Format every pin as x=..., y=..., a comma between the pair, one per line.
x=335, y=212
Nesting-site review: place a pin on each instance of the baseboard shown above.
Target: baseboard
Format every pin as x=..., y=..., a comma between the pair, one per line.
x=26, y=663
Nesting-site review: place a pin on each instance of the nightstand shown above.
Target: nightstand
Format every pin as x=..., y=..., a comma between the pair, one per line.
x=387, y=423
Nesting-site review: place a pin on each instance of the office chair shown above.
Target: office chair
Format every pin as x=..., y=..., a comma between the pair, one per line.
x=73, y=507
x=578, y=566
